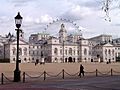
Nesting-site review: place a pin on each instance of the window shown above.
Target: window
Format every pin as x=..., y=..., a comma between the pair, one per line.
x=37, y=52
x=109, y=52
x=25, y=51
x=113, y=52
x=85, y=51
x=118, y=54
x=14, y=50
x=56, y=59
x=105, y=51
x=74, y=52
x=33, y=46
x=60, y=51
x=70, y=51
x=20, y=51
x=78, y=52
x=33, y=52
x=56, y=51
x=37, y=46
x=25, y=59
x=66, y=52
x=13, y=59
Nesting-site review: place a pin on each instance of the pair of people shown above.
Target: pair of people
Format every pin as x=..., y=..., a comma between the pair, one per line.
x=81, y=70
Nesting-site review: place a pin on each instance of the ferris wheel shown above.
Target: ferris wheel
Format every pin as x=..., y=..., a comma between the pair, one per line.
x=53, y=27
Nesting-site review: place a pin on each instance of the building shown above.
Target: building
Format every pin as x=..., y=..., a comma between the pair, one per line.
x=9, y=48
x=61, y=49
x=64, y=48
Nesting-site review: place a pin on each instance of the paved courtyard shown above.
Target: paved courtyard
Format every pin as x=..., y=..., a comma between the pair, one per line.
x=84, y=83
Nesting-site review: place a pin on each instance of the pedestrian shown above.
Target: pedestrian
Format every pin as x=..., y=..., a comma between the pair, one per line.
x=81, y=70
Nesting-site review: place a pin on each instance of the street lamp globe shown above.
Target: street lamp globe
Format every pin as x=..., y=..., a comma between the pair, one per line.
x=18, y=20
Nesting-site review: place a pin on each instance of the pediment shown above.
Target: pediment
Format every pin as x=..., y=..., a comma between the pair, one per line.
x=20, y=42
x=108, y=44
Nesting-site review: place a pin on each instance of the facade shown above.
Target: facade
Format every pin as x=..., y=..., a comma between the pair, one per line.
x=104, y=53
x=62, y=49
x=8, y=49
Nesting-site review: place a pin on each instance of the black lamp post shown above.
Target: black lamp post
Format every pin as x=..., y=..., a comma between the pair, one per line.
x=18, y=22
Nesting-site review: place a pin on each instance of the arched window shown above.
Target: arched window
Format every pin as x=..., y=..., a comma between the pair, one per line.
x=70, y=51
x=56, y=51
x=113, y=52
x=20, y=51
x=78, y=52
x=32, y=58
x=25, y=59
x=56, y=59
x=74, y=52
x=13, y=59
x=85, y=51
x=105, y=51
x=66, y=52
x=25, y=51
x=109, y=52
x=61, y=51
x=14, y=50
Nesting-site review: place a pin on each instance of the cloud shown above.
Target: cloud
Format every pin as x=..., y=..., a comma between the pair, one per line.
x=46, y=18
x=76, y=12
x=18, y=3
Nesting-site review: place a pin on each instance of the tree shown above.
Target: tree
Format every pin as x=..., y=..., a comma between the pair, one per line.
x=109, y=5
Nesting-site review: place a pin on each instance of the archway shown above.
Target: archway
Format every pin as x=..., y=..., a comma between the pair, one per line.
x=70, y=59
x=65, y=59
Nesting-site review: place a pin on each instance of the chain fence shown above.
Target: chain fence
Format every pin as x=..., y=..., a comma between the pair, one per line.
x=25, y=76
x=4, y=79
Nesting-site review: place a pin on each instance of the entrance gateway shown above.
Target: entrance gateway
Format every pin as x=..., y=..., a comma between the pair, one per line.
x=70, y=59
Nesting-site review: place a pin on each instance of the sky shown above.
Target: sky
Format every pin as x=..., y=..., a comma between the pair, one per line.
x=37, y=14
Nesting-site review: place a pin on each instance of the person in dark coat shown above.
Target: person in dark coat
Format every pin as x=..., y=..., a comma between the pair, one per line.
x=81, y=70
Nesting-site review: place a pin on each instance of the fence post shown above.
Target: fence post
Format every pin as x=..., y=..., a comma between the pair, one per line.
x=111, y=72
x=44, y=75
x=63, y=72
x=2, y=78
x=96, y=72
x=23, y=77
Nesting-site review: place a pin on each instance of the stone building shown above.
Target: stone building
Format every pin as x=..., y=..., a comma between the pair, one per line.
x=9, y=48
x=60, y=49
x=64, y=48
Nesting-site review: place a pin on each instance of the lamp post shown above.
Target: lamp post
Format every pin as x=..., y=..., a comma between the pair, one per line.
x=18, y=22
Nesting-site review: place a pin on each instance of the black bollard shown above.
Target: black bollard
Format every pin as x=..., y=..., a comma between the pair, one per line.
x=2, y=78
x=96, y=72
x=23, y=77
x=111, y=72
x=63, y=72
x=44, y=75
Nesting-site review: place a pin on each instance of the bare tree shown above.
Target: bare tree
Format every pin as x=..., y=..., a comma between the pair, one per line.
x=109, y=5
x=106, y=9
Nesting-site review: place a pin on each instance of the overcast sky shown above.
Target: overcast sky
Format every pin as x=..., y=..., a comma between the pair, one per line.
x=87, y=14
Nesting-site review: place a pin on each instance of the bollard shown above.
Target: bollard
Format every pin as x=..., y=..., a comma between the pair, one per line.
x=23, y=77
x=111, y=72
x=2, y=78
x=96, y=72
x=63, y=72
x=44, y=75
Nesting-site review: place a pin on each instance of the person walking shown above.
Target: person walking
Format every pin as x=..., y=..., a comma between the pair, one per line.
x=81, y=70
